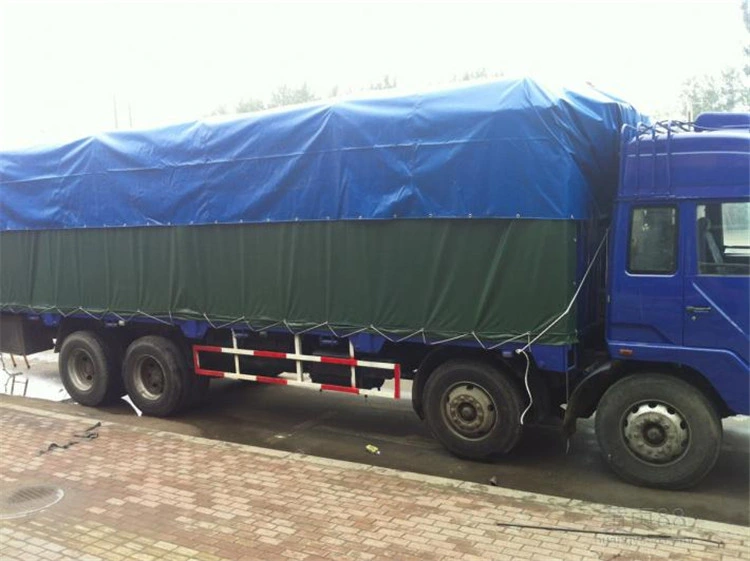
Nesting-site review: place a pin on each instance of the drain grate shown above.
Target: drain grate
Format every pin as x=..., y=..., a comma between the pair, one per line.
x=21, y=501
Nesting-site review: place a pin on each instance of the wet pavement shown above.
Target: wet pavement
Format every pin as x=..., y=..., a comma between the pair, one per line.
x=340, y=426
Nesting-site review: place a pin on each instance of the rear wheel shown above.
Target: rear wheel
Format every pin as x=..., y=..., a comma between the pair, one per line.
x=658, y=431
x=157, y=376
x=473, y=409
x=90, y=368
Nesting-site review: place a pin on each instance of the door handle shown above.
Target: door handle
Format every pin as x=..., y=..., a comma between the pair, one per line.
x=698, y=309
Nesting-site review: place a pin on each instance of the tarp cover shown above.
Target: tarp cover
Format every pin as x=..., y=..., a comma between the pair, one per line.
x=504, y=149
x=492, y=279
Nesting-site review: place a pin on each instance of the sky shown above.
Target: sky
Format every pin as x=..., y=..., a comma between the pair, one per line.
x=70, y=69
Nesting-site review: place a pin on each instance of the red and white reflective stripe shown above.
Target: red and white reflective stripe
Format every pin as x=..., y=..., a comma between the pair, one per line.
x=296, y=356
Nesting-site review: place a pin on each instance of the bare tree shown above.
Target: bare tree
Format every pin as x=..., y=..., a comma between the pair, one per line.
x=387, y=83
x=285, y=95
x=249, y=105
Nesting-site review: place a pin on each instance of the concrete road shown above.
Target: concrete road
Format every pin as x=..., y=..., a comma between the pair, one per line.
x=340, y=426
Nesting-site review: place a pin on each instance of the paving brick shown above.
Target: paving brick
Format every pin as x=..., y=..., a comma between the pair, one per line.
x=211, y=501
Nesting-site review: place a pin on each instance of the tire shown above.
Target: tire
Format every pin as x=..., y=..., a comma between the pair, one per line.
x=90, y=368
x=157, y=377
x=473, y=409
x=656, y=430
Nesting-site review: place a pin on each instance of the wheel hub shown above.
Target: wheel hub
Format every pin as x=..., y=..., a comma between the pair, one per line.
x=470, y=411
x=656, y=432
x=149, y=378
x=81, y=370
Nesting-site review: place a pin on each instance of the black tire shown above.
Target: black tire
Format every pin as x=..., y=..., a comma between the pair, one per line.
x=658, y=431
x=90, y=368
x=157, y=377
x=473, y=409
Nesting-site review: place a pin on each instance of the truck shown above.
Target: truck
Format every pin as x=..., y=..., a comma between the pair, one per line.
x=523, y=254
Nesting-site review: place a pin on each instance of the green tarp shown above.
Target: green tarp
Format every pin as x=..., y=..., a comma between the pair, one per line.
x=493, y=278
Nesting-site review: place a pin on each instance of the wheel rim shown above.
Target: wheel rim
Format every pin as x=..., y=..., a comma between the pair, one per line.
x=469, y=411
x=656, y=432
x=149, y=378
x=81, y=370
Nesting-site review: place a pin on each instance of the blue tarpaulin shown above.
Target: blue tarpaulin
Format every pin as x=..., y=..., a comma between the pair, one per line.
x=507, y=149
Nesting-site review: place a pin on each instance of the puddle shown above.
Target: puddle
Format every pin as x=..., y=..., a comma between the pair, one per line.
x=41, y=380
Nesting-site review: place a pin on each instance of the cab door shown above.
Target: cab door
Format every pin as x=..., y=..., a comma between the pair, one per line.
x=646, y=294
x=717, y=281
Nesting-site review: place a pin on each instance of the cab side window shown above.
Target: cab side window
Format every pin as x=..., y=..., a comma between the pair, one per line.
x=723, y=231
x=653, y=240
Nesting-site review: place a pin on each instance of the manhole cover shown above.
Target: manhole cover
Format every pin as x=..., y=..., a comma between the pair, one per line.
x=21, y=501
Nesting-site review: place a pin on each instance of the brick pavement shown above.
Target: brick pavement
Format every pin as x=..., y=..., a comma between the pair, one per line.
x=138, y=494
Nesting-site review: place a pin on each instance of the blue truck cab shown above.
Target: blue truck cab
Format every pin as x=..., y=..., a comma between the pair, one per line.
x=677, y=299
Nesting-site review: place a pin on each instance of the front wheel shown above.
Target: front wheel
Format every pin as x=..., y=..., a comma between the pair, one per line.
x=658, y=431
x=473, y=409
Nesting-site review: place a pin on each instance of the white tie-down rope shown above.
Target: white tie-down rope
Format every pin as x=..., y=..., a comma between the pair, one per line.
x=526, y=384
x=572, y=300
x=523, y=350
